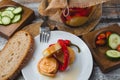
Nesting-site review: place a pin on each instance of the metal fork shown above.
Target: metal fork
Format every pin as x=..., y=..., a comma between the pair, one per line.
x=44, y=30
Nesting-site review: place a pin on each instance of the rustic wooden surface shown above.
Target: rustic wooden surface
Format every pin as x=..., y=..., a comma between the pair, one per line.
x=96, y=74
x=27, y=17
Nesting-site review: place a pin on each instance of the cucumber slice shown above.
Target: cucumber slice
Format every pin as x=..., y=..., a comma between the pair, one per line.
x=0, y=13
x=1, y=22
x=10, y=15
x=7, y=13
x=17, y=10
x=16, y=18
x=113, y=54
x=6, y=20
x=114, y=41
x=10, y=8
x=0, y=17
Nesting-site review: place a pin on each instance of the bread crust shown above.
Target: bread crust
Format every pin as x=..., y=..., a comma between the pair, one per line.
x=26, y=58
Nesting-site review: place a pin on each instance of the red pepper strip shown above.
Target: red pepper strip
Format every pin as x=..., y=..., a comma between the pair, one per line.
x=67, y=42
x=101, y=36
x=62, y=67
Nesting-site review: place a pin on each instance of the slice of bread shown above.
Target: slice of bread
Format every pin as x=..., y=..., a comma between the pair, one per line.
x=48, y=66
x=51, y=50
x=15, y=55
x=60, y=56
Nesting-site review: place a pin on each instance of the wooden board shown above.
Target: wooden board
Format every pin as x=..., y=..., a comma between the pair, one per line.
x=33, y=29
x=98, y=52
x=30, y=1
x=27, y=17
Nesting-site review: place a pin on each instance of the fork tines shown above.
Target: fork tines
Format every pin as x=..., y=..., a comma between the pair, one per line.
x=44, y=36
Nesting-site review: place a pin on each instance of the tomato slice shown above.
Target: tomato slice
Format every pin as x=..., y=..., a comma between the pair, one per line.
x=107, y=34
x=118, y=48
x=100, y=42
x=101, y=36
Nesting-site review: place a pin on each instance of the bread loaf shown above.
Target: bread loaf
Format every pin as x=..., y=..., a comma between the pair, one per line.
x=16, y=53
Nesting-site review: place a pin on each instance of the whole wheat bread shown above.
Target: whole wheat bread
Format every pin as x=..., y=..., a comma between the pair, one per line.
x=16, y=53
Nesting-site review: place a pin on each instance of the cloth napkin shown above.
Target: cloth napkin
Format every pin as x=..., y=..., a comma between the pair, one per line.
x=85, y=3
x=54, y=8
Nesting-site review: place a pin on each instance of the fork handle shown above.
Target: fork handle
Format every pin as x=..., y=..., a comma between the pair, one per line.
x=45, y=18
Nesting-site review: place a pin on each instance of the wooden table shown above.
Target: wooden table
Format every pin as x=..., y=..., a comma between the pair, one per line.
x=96, y=74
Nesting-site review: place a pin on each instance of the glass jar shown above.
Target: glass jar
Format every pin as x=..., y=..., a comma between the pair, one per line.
x=75, y=17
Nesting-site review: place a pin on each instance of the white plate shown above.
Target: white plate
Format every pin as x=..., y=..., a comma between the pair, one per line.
x=80, y=70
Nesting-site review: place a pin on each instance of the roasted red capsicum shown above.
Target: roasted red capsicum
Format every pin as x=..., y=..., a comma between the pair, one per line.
x=69, y=43
x=64, y=44
x=62, y=67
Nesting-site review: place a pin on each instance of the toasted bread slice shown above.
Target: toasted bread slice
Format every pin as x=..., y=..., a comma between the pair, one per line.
x=51, y=50
x=48, y=66
x=15, y=54
x=60, y=56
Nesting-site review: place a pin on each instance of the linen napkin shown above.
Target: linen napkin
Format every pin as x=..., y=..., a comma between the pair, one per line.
x=54, y=8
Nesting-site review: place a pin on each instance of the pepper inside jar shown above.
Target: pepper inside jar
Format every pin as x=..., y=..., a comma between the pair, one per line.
x=75, y=17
